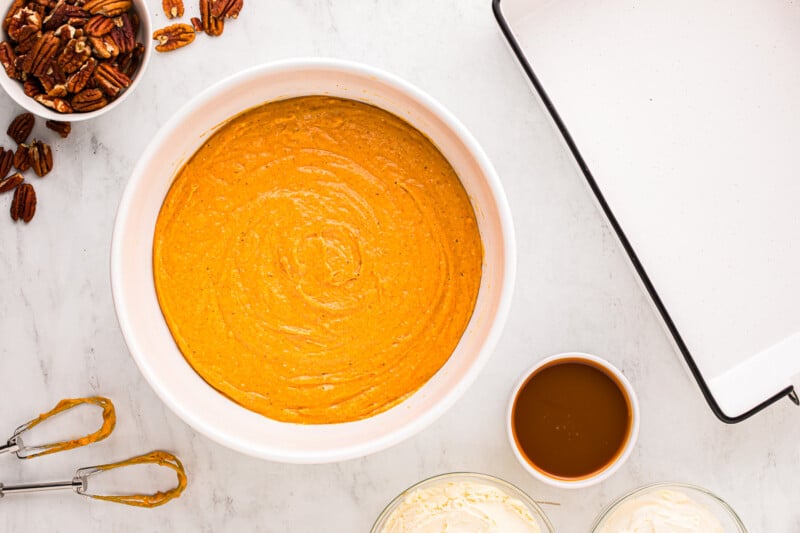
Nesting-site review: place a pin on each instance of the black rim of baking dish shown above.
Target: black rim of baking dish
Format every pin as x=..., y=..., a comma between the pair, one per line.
x=587, y=174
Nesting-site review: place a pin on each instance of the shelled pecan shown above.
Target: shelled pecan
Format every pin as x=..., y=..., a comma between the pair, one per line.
x=226, y=8
x=98, y=25
x=15, y=7
x=54, y=47
x=62, y=128
x=11, y=182
x=129, y=63
x=23, y=206
x=6, y=161
x=212, y=25
x=62, y=14
x=88, y=100
x=122, y=34
x=110, y=80
x=37, y=61
x=22, y=160
x=41, y=158
x=172, y=8
x=21, y=127
x=74, y=55
x=108, y=8
x=31, y=87
x=173, y=37
x=56, y=104
x=77, y=81
x=8, y=59
x=104, y=47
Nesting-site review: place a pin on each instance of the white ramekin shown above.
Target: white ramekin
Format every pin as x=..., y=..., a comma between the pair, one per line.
x=14, y=88
x=148, y=336
x=612, y=467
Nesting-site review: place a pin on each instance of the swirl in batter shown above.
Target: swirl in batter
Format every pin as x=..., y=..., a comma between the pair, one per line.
x=317, y=260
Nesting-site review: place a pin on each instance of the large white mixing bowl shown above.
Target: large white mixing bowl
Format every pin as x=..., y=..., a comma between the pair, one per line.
x=149, y=338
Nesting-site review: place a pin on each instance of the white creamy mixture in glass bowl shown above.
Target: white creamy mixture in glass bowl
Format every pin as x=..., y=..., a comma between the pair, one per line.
x=462, y=503
x=669, y=508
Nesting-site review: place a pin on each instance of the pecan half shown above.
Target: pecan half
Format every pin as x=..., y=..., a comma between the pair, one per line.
x=65, y=33
x=109, y=8
x=104, y=47
x=23, y=206
x=31, y=87
x=41, y=158
x=38, y=59
x=212, y=25
x=55, y=103
x=62, y=128
x=172, y=8
x=88, y=100
x=76, y=52
x=23, y=23
x=110, y=80
x=10, y=183
x=122, y=34
x=59, y=90
x=129, y=63
x=61, y=14
x=77, y=81
x=39, y=7
x=26, y=45
x=8, y=58
x=22, y=161
x=21, y=127
x=135, y=22
x=226, y=8
x=98, y=25
x=54, y=80
x=6, y=160
x=173, y=37
x=15, y=7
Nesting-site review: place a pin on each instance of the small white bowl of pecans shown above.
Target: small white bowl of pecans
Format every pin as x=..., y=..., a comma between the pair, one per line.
x=72, y=60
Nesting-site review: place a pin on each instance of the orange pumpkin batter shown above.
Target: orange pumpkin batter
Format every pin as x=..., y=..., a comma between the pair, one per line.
x=317, y=260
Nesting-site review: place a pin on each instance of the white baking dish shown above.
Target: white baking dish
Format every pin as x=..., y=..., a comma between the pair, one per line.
x=146, y=332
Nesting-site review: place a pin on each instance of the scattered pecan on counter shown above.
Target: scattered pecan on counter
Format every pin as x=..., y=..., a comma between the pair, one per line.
x=62, y=128
x=37, y=156
x=41, y=158
x=173, y=37
x=6, y=161
x=211, y=22
x=55, y=47
x=10, y=183
x=172, y=8
x=22, y=160
x=23, y=206
x=213, y=26
x=226, y=8
x=20, y=128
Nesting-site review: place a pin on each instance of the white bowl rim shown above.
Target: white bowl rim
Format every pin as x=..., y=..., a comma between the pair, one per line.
x=609, y=470
x=487, y=347
x=31, y=105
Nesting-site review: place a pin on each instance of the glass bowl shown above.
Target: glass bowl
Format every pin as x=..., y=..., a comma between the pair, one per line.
x=541, y=519
x=731, y=523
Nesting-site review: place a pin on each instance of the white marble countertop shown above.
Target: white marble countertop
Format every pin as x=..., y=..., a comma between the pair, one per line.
x=59, y=337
